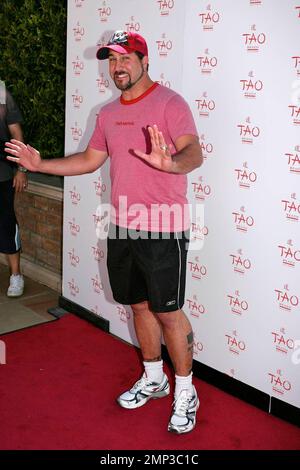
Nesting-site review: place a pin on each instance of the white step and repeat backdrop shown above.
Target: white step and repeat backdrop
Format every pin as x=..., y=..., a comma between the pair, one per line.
x=237, y=63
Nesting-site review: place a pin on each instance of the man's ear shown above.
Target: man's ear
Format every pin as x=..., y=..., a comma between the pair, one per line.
x=145, y=62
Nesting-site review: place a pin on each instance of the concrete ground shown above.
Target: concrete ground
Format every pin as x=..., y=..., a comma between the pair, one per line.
x=27, y=310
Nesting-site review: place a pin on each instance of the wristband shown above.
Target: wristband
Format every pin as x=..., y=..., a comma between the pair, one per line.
x=22, y=169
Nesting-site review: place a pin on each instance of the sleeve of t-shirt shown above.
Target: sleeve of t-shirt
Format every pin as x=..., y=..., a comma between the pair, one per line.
x=13, y=114
x=179, y=118
x=98, y=140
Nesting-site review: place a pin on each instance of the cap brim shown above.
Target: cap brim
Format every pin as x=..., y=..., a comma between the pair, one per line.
x=103, y=52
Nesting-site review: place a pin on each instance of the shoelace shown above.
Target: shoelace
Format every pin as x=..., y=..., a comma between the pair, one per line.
x=182, y=404
x=141, y=383
x=15, y=281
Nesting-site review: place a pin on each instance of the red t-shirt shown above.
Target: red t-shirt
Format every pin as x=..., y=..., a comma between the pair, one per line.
x=143, y=197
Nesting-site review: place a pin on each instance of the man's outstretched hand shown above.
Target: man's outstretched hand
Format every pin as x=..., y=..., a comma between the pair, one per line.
x=24, y=155
x=160, y=156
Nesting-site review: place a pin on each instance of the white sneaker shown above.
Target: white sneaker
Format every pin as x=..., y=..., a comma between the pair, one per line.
x=16, y=285
x=183, y=417
x=142, y=391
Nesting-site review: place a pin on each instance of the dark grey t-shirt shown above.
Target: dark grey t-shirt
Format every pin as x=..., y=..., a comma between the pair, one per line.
x=9, y=114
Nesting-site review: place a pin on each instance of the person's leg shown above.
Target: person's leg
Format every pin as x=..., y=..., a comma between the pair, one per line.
x=178, y=335
x=16, y=280
x=153, y=383
x=10, y=239
x=148, y=331
x=166, y=262
x=13, y=262
x=129, y=287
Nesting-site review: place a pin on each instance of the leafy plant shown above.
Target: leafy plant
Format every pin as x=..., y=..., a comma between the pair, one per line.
x=33, y=64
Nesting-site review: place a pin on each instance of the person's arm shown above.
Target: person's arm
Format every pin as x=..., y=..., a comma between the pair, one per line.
x=20, y=178
x=16, y=131
x=76, y=164
x=187, y=157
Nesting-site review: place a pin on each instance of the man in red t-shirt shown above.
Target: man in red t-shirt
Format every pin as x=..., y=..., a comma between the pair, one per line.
x=150, y=136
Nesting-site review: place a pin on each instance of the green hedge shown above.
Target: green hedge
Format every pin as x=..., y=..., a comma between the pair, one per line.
x=33, y=65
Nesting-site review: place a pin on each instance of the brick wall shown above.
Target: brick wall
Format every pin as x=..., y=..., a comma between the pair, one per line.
x=39, y=214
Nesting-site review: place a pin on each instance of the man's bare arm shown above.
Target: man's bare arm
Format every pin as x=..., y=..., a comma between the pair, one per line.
x=188, y=155
x=76, y=164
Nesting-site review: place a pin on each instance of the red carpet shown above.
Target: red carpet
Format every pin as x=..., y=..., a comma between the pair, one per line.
x=58, y=391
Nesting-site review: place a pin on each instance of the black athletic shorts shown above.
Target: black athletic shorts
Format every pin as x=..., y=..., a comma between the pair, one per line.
x=9, y=229
x=147, y=266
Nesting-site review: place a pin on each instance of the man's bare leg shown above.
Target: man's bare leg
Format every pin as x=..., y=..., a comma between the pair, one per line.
x=178, y=335
x=177, y=331
x=154, y=383
x=148, y=331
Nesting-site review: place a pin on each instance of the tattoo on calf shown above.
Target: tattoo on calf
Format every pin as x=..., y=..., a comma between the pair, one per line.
x=190, y=340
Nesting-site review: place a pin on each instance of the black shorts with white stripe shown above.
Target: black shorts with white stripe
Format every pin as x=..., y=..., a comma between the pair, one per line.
x=148, y=266
x=9, y=229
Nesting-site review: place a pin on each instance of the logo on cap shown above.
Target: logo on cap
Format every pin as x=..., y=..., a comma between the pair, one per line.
x=123, y=42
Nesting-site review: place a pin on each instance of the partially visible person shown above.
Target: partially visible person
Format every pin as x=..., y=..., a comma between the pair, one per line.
x=12, y=179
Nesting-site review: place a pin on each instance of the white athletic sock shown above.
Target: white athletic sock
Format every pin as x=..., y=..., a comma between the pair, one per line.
x=154, y=370
x=183, y=383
